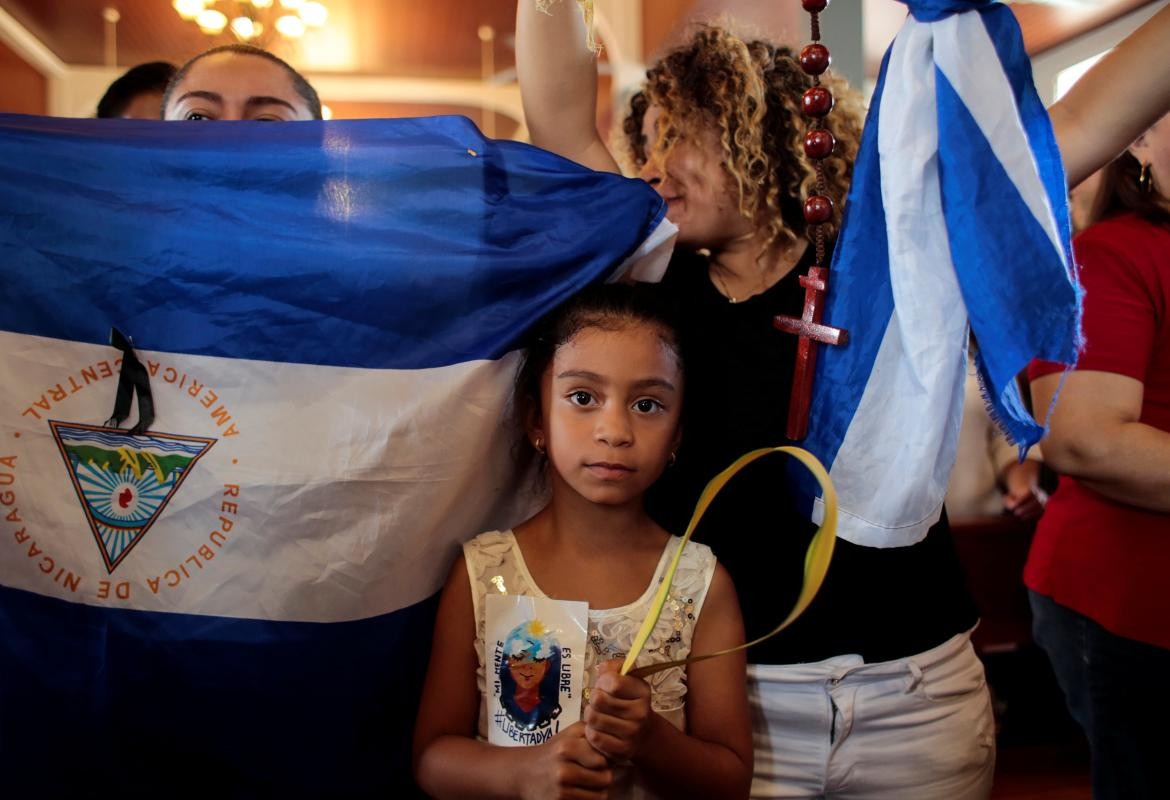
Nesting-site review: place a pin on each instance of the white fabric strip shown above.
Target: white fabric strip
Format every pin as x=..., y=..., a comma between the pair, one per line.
x=356, y=486
x=648, y=263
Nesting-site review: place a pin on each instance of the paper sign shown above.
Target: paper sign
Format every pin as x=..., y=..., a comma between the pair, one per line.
x=534, y=653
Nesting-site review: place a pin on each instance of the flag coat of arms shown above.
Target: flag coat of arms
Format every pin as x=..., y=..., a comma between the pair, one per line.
x=238, y=595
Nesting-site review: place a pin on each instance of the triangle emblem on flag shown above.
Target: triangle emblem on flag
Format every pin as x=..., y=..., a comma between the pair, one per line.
x=124, y=480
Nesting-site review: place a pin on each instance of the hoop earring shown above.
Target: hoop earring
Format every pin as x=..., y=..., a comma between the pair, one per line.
x=538, y=445
x=1145, y=183
x=673, y=458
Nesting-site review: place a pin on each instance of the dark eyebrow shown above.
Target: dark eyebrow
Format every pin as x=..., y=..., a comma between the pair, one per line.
x=262, y=100
x=580, y=373
x=645, y=383
x=660, y=383
x=252, y=102
x=212, y=96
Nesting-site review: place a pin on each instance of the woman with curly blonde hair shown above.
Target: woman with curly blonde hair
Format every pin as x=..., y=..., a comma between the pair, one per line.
x=741, y=99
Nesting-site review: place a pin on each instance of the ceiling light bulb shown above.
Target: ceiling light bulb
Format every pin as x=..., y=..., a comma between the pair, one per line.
x=326, y=112
x=211, y=21
x=313, y=14
x=290, y=26
x=262, y=3
x=244, y=27
x=188, y=9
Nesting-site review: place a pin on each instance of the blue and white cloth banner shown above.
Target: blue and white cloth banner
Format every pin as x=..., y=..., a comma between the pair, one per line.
x=239, y=599
x=958, y=211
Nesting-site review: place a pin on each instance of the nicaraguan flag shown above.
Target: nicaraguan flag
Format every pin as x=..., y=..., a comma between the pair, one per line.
x=239, y=597
x=958, y=211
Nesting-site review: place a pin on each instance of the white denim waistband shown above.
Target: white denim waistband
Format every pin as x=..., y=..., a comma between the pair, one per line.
x=852, y=666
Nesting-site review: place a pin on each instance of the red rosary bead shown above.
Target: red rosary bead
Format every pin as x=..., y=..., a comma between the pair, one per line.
x=814, y=6
x=819, y=143
x=817, y=209
x=817, y=101
x=815, y=59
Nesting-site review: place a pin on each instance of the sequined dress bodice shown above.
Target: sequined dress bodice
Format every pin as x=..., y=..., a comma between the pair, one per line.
x=494, y=561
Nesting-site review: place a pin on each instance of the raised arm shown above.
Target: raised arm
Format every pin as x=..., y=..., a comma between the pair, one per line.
x=558, y=83
x=1124, y=93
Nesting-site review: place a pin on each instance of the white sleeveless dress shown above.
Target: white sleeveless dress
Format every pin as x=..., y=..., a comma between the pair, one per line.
x=611, y=630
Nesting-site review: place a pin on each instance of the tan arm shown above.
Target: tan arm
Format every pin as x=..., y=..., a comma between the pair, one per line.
x=714, y=757
x=1097, y=438
x=1124, y=93
x=558, y=83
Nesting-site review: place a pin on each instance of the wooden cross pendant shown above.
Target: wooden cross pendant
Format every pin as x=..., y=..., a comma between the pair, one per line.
x=811, y=331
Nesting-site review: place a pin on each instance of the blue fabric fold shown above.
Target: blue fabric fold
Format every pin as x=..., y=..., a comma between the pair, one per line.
x=934, y=10
x=369, y=243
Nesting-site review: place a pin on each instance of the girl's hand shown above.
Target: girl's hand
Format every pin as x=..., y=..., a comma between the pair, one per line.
x=565, y=767
x=618, y=718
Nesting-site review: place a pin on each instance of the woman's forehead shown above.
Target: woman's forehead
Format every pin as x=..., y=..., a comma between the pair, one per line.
x=240, y=74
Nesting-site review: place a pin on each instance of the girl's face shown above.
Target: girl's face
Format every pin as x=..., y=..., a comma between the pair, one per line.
x=527, y=672
x=610, y=409
x=702, y=198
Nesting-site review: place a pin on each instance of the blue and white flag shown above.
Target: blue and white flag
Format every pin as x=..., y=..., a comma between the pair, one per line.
x=239, y=598
x=957, y=212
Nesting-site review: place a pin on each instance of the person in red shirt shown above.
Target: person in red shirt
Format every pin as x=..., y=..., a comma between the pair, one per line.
x=1100, y=559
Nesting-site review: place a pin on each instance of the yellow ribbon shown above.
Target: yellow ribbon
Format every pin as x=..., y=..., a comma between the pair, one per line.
x=816, y=560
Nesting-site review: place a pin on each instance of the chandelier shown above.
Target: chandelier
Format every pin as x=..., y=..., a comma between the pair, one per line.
x=257, y=22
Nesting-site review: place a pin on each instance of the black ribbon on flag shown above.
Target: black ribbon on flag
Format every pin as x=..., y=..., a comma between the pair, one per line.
x=132, y=379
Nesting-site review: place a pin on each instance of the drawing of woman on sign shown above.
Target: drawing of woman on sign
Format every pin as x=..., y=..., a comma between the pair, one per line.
x=529, y=673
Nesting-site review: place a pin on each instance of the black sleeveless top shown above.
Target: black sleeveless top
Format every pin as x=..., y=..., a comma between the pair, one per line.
x=879, y=603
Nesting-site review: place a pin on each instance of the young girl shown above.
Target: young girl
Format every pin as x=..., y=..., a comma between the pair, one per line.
x=601, y=395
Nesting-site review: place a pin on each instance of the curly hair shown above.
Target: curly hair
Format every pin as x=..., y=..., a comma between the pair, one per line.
x=749, y=92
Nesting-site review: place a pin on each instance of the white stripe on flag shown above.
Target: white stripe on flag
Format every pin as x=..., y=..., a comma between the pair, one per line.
x=356, y=485
x=649, y=262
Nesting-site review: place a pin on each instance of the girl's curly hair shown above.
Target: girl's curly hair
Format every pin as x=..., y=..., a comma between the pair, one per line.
x=749, y=92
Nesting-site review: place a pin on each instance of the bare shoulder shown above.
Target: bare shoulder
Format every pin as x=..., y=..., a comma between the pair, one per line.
x=721, y=593
x=456, y=609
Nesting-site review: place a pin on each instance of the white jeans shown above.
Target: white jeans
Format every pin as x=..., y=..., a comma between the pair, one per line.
x=918, y=728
